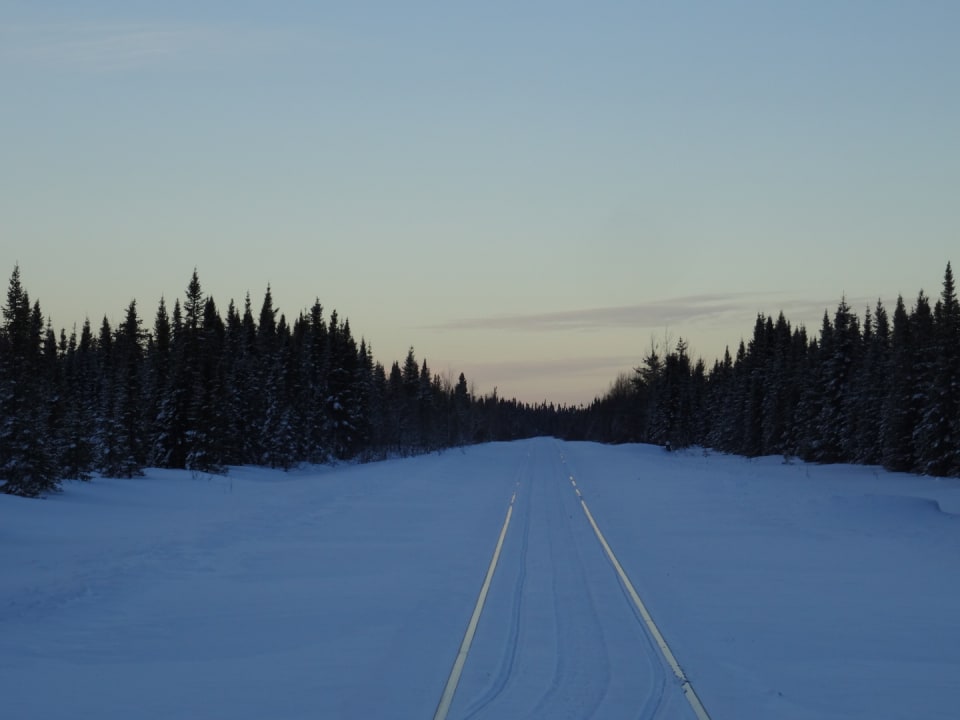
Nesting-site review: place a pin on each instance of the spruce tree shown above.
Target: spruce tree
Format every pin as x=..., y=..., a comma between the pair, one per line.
x=27, y=455
x=380, y=416
x=923, y=361
x=208, y=397
x=170, y=444
x=395, y=422
x=126, y=379
x=899, y=414
x=937, y=435
x=410, y=411
x=871, y=387
x=77, y=454
x=462, y=432
x=316, y=361
x=366, y=400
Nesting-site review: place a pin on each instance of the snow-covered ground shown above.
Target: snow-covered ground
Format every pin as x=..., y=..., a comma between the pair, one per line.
x=785, y=591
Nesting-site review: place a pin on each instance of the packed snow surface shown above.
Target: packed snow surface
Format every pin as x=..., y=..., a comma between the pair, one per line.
x=784, y=590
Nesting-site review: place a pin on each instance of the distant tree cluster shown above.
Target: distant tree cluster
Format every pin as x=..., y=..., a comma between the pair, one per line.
x=202, y=392
x=876, y=391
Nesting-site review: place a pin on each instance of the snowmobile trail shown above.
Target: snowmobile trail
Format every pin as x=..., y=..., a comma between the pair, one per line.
x=504, y=670
x=643, y=614
x=559, y=637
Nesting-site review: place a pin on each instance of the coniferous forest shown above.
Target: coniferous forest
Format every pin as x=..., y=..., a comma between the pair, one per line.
x=880, y=391
x=201, y=391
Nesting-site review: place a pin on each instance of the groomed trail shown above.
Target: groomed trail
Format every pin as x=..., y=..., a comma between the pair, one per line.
x=559, y=636
x=782, y=590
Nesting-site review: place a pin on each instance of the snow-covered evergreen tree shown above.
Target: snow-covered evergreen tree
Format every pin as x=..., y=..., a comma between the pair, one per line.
x=936, y=436
x=28, y=462
x=899, y=415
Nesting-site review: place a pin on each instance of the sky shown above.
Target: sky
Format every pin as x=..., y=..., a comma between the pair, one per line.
x=530, y=193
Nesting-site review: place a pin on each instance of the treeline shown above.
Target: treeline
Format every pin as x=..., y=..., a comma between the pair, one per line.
x=877, y=391
x=199, y=391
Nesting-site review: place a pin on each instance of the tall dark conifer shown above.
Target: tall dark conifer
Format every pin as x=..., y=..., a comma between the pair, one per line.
x=127, y=381
x=899, y=414
x=78, y=439
x=208, y=397
x=871, y=385
x=923, y=360
x=27, y=453
x=157, y=384
x=937, y=435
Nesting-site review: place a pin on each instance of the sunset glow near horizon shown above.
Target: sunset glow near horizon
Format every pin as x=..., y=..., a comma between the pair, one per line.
x=526, y=194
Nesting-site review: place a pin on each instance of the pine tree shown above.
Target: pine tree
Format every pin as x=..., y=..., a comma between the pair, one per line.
x=159, y=361
x=410, y=409
x=172, y=425
x=274, y=429
x=316, y=371
x=719, y=403
x=53, y=381
x=938, y=433
x=250, y=400
x=462, y=431
x=342, y=406
x=674, y=408
x=380, y=415
x=798, y=373
x=275, y=346
x=839, y=345
x=27, y=454
x=871, y=386
x=126, y=377
x=231, y=442
x=923, y=361
x=395, y=422
x=77, y=445
x=755, y=364
x=208, y=397
x=366, y=400
x=646, y=381
x=426, y=410
x=899, y=414
x=107, y=422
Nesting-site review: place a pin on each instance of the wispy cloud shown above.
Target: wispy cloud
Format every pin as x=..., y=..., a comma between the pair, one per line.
x=674, y=312
x=119, y=45
x=661, y=313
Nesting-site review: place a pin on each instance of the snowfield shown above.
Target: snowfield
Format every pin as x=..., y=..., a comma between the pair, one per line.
x=784, y=590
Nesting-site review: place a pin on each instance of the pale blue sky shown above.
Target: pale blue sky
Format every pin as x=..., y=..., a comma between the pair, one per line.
x=526, y=192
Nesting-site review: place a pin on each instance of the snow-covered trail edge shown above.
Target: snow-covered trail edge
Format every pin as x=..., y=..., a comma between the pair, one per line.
x=787, y=591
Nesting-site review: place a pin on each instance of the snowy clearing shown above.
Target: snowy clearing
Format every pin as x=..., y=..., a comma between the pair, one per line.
x=784, y=590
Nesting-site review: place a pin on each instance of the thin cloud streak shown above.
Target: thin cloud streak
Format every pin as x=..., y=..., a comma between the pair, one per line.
x=670, y=313
x=654, y=314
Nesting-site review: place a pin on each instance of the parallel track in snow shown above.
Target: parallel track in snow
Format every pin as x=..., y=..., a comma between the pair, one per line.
x=692, y=698
x=443, y=707
x=547, y=629
x=504, y=671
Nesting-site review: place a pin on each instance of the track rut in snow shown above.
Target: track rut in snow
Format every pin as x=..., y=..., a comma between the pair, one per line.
x=558, y=637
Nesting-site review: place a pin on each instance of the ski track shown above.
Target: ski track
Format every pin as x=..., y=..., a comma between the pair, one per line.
x=573, y=686
x=505, y=670
x=557, y=554
x=654, y=706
